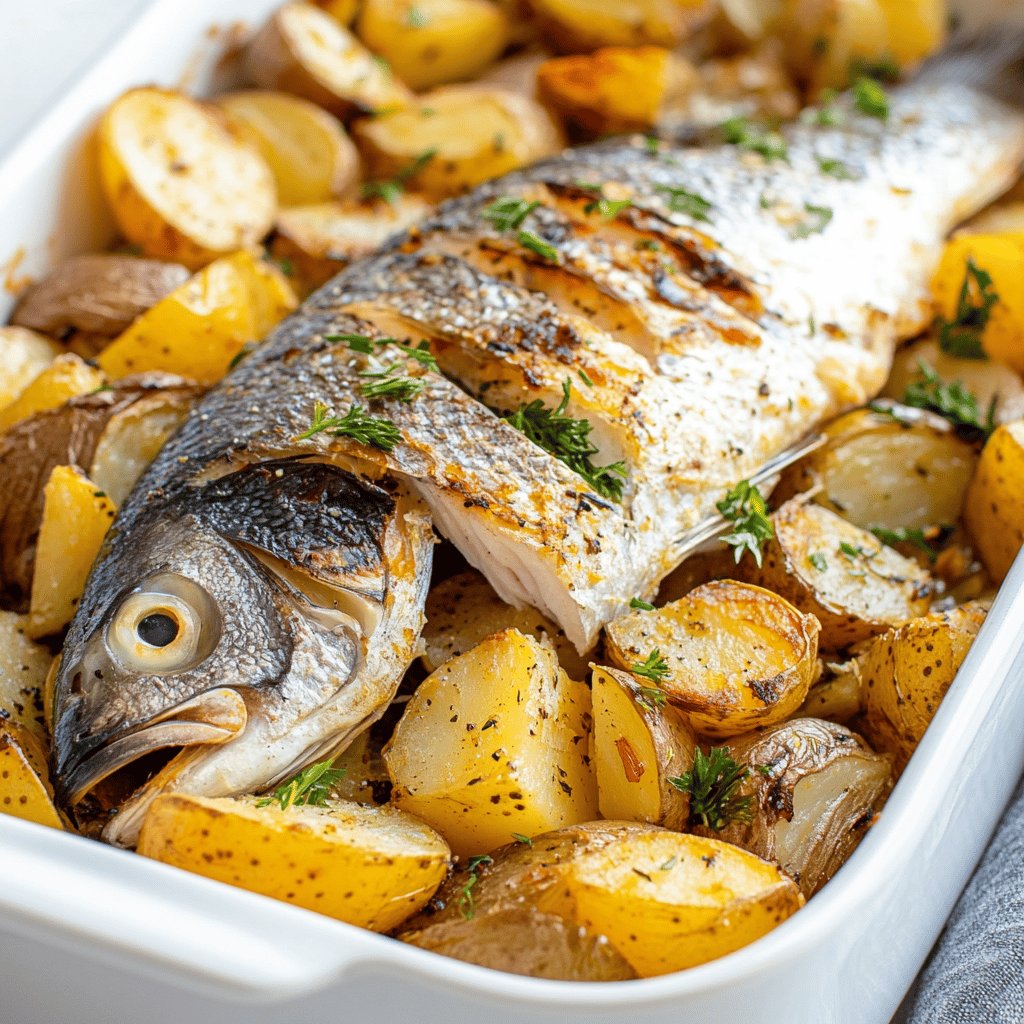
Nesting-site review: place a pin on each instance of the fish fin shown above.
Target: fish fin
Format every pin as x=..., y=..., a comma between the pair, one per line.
x=989, y=60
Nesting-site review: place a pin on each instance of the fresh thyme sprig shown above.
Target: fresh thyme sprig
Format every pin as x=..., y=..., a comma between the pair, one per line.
x=744, y=506
x=653, y=667
x=568, y=440
x=467, y=898
x=682, y=200
x=391, y=189
x=950, y=400
x=712, y=783
x=962, y=335
x=311, y=786
x=357, y=423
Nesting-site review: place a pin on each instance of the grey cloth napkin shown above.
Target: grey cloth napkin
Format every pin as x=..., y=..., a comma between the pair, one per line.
x=976, y=972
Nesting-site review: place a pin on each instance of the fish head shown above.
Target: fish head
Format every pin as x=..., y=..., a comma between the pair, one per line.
x=213, y=633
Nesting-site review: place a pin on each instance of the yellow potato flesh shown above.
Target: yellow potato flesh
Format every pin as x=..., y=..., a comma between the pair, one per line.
x=66, y=377
x=179, y=184
x=369, y=866
x=495, y=742
x=76, y=517
x=668, y=901
x=1001, y=256
x=578, y=26
x=23, y=668
x=24, y=790
x=916, y=28
x=24, y=354
x=200, y=327
x=430, y=42
x=994, y=510
x=311, y=157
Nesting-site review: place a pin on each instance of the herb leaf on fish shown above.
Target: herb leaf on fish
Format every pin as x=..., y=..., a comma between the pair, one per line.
x=906, y=535
x=358, y=424
x=816, y=219
x=950, y=400
x=636, y=602
x=391, y=189
x=870, y=97
x=532, y=241
x=712, y=783
x=312, y=786
x=568, y=440
x=653, y=667
x=837, y=169
x=467, y=900
x=508, y=212
x=961, y=336
x=682, y=200
x=389, y=382
x=365, y=344
x=607, y=209
x=739, y=131
x=744, y=506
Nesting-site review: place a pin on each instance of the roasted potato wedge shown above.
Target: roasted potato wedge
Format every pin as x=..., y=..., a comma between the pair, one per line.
x=100, y=294
x=66, y=377
x=456, y=137
x=1002, y=258
x=510, y=918
x=906, y=672
x=24, y=355
x=814, y=788
x=306, y=148
x=25, y=790
x=837, y=697
x=431, y=42
x=316, y=242
x=579, y=26
x=615, y=89
x=517, y=73
x=369, y=866
x=304, y=51
x=640, y=742
x=463, y=610
x=990, y=382
x=495, y=742
x=994, y=511
x=342, y=11
x=23, y=668
x=181, y=186
x=76, y=517
x=668, y=901
x=851, y=582
x=200, y=327
x=111, y=434
x=735, y=656
x=908, y=469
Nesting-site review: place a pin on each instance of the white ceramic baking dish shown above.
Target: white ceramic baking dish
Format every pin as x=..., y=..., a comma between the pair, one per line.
x=93, y=935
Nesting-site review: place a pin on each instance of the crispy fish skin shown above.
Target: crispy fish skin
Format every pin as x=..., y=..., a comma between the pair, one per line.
x=710, y=344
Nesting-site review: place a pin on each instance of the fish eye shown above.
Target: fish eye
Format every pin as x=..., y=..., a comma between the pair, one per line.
x=167, y=624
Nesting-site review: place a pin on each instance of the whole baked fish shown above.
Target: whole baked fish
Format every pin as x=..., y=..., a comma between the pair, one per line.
x=262, y=590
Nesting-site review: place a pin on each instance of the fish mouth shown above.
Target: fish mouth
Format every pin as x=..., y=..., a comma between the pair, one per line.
x=210, y=719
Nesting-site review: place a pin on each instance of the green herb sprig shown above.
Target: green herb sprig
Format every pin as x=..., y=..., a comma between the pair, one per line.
x=357, y=423
x=390, y=382
x=740, y=131
x=906, y=535
x=962, y=335
x=951, y=400
x=814, y=222
x=312, y=787
x=467, y=899
x=653, y=667
x=712, y=783
x=682, y=200
x=509, y=212
x=391, y=189
x=744, y=506
x=870, y=97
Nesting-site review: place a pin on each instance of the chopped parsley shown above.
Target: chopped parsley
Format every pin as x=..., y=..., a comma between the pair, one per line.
x=607, y=209
x=358, y=424
x=739, y=131
x=906, y=535
x=243, y=353
x=532, y=241
x=644, y=606
x=508, y=212
x=827, y=115
x=950, y=400
x=467, y=900
x=713, y=784
x=391, y=189
x=870, y=97
x=744, y=506
x=682, y=200
x=311, y=786
x=836, y=169
x=853, y=551
x=815, y=220
x=961, y=336
x=818, y=560
x=653, y=667
x=568, y=440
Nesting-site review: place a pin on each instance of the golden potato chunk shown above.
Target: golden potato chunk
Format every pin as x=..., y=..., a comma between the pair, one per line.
x=306, y=148
x=431, y=42
x=181, y=186
x=456, y=137
x=667, y=901
x=463, y=610
x=24, y=355
x=66, y=377
x=640, y=742
x=76, y=517
x=25, y=790
x=369, y=866
x=994, y=511
x=851, y=582
x=200, y=327
x=495, y=743
x=23, y=668
x=906, y=672
x=303, y=50
x=731, y=655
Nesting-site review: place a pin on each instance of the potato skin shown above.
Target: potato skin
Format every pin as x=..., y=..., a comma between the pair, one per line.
x=994, y=511
x=906, y=672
